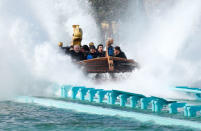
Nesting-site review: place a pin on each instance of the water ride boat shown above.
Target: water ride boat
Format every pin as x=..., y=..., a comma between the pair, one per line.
x=107, y=64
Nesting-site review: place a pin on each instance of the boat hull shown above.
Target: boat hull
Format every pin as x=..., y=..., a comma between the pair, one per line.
x=108, y=65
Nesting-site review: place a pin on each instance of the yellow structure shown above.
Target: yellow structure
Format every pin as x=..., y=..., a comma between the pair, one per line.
x=91, y=44
x=60, y=44
x=77, y=35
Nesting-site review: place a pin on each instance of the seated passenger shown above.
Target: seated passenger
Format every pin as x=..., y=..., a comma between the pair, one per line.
x=92, y=53
x=85, y=51
x=76, y=54
x=119, y=53
x=100, y=52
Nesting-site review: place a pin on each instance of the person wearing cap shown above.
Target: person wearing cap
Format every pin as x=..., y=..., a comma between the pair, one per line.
x=119, y=53
x=92, y=53
x=100, y=52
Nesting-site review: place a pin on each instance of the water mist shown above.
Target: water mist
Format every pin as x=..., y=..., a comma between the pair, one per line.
x=30, y=30
x=164, y=44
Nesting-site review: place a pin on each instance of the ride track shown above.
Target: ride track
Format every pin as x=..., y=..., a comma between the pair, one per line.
x=121, y=104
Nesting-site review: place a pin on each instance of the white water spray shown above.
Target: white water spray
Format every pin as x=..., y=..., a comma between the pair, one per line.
x=30, y=31
x=30, y=61
x=160, y=48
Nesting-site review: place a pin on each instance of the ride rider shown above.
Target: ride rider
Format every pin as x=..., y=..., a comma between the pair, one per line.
x=76, y=53
x=119, y=53
x=100, y=52
x=85, y=51
x=92, y=53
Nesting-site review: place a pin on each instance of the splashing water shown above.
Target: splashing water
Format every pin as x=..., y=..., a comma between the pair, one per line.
x=164, y=44
x=30, y=31
x=164, y=48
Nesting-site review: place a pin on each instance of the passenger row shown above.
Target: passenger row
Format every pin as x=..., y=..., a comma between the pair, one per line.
x=86, y=52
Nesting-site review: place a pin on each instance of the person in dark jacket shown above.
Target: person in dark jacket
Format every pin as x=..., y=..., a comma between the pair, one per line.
x=85, y=51
x=76, y=54
x=100, y=52
x=92, y=53
x=119, y=53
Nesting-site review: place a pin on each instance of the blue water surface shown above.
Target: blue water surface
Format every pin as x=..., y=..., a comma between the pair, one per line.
x=24, y=117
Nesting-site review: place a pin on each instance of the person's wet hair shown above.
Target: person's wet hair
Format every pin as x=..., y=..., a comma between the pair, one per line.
x=117, y=48
x=85, y=47
x=99, y=46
